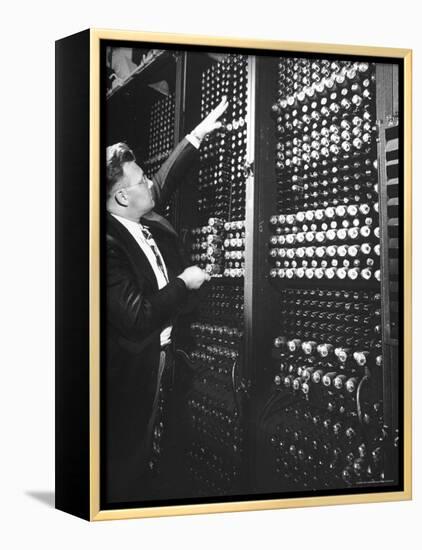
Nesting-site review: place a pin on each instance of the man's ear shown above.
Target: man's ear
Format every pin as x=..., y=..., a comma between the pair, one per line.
x=120, y=196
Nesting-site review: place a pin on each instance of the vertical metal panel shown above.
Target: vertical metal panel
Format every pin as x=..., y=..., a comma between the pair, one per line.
x=249, y=221
x=179, y=98
x=387, y=108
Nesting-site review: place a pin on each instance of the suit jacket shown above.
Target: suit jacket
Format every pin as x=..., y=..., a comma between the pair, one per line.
x=136, y=312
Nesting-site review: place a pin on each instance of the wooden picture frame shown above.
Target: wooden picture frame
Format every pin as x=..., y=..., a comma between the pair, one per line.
x=93, y=111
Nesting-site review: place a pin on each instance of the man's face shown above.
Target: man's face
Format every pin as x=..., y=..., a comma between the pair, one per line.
x=136, y=190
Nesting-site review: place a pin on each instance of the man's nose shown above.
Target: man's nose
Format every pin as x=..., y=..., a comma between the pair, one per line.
x=150, y=184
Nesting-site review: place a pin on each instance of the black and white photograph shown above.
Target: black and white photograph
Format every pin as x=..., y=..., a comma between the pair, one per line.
x=251, y=274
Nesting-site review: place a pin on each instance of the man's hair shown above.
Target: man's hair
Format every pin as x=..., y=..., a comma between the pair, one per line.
x=116, y=156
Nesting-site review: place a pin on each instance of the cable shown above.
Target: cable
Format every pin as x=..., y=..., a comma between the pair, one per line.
x=358, y=405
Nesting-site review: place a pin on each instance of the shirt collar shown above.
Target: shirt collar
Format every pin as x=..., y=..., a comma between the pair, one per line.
x=129, y=224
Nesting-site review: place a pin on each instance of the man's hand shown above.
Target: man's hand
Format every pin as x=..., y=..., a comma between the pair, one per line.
x=194, y=277
x=211, y=122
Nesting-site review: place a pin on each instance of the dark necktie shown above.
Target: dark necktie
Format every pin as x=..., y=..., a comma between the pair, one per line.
x=152, y=244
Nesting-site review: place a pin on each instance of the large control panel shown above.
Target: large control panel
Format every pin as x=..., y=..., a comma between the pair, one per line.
x=327, y=429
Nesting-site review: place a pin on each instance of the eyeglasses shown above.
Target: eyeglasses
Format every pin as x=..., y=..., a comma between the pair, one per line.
x=143, y=181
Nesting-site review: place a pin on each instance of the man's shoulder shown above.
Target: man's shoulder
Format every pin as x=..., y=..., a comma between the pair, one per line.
x=116, y=234
x=113, y=227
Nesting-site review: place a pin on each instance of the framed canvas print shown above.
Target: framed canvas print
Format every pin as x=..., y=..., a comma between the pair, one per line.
x=233, y=274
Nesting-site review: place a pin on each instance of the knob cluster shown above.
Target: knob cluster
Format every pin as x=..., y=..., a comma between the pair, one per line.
x=161, y=130
x=217, y=341
x=316, y=368
x=219, y=248
x=214, y=418
x=340, y=243
x=223, y=303
x=328, y=359
x=207, y=246
x=297, y=75
x=341, y=318
x=221, y=179
x=316, y=451
x=213, y=473
x=220, y=334
x=160, y=140
x=234, y=249
x=325, y=140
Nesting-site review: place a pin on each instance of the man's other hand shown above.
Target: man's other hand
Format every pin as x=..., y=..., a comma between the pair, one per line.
x=194, y=277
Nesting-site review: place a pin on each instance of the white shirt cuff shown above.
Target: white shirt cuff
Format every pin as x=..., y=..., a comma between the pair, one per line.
x=194, y=140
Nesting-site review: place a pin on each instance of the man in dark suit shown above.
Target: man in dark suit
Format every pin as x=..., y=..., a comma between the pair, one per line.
x=147, y=286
